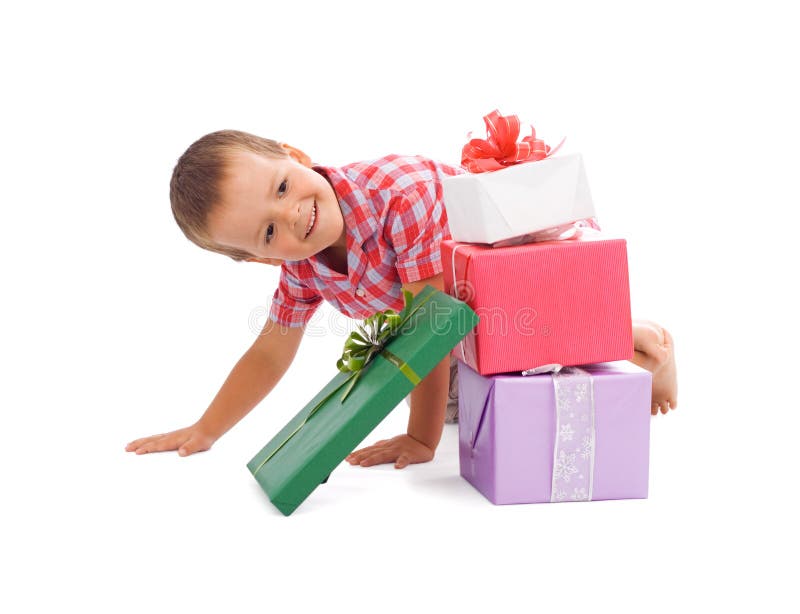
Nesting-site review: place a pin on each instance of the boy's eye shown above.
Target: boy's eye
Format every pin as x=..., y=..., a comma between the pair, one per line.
x=269, y=233
x=282, y=188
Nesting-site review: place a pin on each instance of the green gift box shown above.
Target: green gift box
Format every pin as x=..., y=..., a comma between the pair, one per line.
x=303, y=454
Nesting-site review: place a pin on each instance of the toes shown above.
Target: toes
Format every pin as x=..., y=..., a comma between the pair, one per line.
x=661, y=406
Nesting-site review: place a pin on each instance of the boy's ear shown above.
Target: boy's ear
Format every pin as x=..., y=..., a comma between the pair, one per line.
x=297, y=154
x=272, y=261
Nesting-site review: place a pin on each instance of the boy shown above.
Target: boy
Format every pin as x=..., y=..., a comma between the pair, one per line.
x=355, y=236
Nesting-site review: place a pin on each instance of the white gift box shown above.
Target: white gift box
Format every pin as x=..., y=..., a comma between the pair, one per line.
x=518, y=200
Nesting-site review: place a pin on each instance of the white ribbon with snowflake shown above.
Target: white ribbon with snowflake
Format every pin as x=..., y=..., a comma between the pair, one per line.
x=573, y=451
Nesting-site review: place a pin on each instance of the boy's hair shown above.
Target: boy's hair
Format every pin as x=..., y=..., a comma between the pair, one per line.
x=194, y=187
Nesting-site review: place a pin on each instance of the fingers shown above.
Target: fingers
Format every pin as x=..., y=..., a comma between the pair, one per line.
x=185, y=441
x=359, y=457
x=385, y=455
x=132, y=446
x=355, y=458
x=156, y=443
x=139, y=443
x=381, y=452
x=135, y=444
x=195, y=444
x=402, y=450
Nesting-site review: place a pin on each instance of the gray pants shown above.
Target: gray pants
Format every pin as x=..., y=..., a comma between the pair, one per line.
x=451, y=413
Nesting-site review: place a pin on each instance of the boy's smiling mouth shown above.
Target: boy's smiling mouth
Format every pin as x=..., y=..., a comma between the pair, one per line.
x=311, y=220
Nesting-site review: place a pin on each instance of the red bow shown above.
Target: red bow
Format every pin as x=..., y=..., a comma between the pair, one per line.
x=501, y=149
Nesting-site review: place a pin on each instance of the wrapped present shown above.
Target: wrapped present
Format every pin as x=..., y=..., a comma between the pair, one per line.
x=578, y=435
x=527, y=192
x=556, y=302
x=519, y=200
x=381, y=364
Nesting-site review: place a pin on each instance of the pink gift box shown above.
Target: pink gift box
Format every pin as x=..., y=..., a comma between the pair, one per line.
x=556, y=302
x=508, y=429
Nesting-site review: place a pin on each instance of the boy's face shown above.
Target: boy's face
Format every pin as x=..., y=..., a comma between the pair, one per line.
x=268, y=206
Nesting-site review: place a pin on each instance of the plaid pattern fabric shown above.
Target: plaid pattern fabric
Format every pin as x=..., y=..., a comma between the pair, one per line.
x=395, y=220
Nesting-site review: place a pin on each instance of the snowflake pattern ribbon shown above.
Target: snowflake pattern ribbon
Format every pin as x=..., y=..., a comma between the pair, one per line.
x=501, y=149
x=574, y=447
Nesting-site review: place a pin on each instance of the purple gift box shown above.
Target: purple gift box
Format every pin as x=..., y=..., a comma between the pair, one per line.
x=517, y=444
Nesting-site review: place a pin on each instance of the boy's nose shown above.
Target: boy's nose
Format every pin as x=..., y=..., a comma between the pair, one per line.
x=291, y=215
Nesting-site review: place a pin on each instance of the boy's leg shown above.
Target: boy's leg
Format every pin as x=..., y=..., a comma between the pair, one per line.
x=451, y=414
x=654, y=350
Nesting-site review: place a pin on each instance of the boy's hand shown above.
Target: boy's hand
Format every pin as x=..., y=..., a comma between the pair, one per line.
x=185, y=441
x=403, y=450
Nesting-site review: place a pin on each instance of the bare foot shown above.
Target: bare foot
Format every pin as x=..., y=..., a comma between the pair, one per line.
x=655, y=351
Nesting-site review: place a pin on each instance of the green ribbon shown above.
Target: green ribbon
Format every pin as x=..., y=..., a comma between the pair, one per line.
x=360, y=348
x=404, y=367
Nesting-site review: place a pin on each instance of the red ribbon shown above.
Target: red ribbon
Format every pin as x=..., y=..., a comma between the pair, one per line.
x=501, y=149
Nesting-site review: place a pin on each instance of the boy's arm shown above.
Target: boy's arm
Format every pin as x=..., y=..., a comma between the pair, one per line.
x=425, y=423
x=253, y=377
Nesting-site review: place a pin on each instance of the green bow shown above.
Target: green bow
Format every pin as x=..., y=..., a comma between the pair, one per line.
x=371, y=337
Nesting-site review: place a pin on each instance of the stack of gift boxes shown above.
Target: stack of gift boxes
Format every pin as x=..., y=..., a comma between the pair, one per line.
x=550, y=409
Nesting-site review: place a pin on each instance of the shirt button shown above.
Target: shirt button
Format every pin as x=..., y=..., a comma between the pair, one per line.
x=360, y=292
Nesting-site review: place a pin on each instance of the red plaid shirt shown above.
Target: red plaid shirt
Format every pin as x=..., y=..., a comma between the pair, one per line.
x=394, y=220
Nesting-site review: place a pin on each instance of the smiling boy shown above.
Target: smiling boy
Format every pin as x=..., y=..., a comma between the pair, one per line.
x=355, y=236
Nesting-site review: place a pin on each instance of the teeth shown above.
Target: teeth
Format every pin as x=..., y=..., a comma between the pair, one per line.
x=313, y=217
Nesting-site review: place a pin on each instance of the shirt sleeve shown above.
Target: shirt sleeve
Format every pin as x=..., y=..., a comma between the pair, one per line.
x=417, y=225
x=293, y=303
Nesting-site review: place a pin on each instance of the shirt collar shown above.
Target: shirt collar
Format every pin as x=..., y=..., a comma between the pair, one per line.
x=359, y=220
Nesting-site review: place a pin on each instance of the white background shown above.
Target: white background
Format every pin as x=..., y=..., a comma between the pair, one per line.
x=115, y=327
